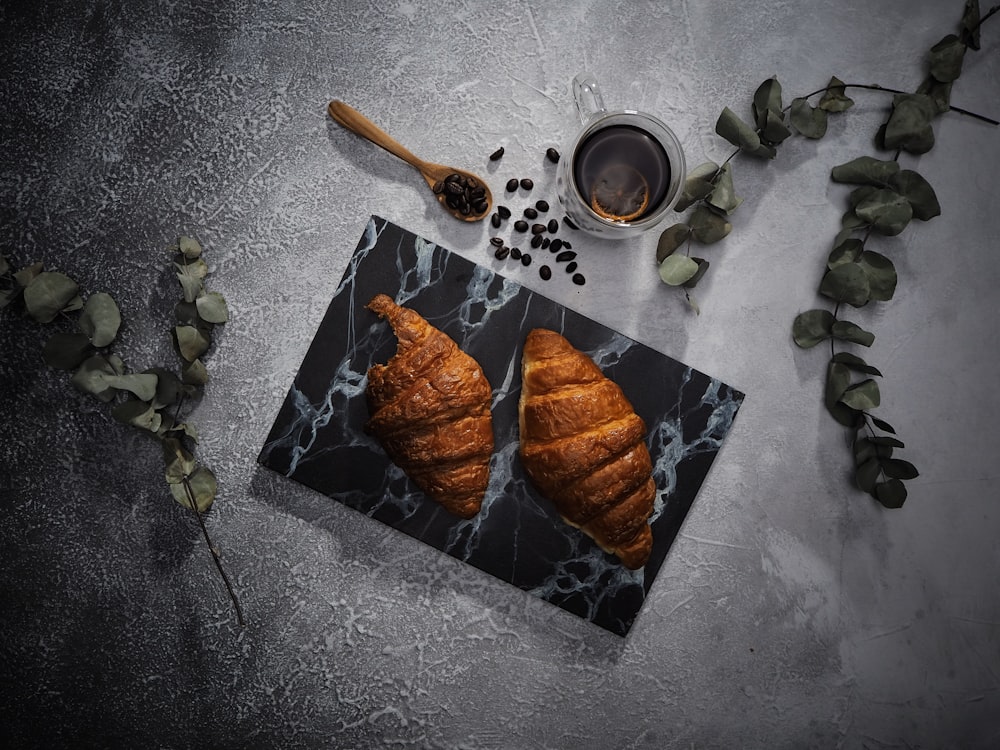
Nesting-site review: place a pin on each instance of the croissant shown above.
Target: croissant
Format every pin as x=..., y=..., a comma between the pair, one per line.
x=583, y=447
x=429, y=407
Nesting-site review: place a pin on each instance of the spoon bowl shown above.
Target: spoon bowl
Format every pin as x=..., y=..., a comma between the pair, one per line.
x=462, y=194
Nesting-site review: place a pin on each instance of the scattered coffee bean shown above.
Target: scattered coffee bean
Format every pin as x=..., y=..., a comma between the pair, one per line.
x=504, y=212
x=578, y=279
x=537, y=228
x=553, y=226
x=496, y=155
x=521, y=225
x=536, y=241
x=542, y=206
x=552, y=155
x=525, y=259
x=530, y=213
x=526, y=183
x=565, y=255
x=569, y=222
x=567, y=245
x=496, y=241
x=545, y=272
x=511, y=184
x=495, y=220
x=501, y=253
x=515, y=253
x=556, y=245
x=571, y=266
x=545, y=241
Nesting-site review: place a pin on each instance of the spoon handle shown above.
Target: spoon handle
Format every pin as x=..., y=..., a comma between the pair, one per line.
x=357, y=123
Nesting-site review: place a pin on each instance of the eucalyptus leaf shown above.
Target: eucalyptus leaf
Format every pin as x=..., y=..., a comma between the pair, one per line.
x=855, y=362
x=168, y=387
x=138, y=414
x=100, y=319
x=189, y=247
x=891, y=493
x=834, y=99
x=838, y=380
x=846, y=283
x=808, y=120
x=847, y=251
x=724, y=196
x=92, y=376
x=812, y=327
x=865, y=170
x=677, y=269
x=940, y=93
x=201, y=485
x=47, y=294
x=886, y=444
x=74, y=304
x=7, y=296
x=767, y=99
x=774, y=130
x=970, y=24
x=698, y=184
x=867, y=474
x=26, y=274
x=897, y=468
x=909, y=126
x=887, y=211
x=946, y=59
x=923, y=200
x=862, y=396
x=191, y=342
x=143, y=386
x=882, y=424
x=737, y=132
x=66, y=351
x=691, y=283
x=4, y=266
x=212, y=308
x=860, y=195
x=844, y=330
x=881, y=275
x=186, y=313
x=191, y=285
x=864, y=449
x=671, y=239
x=707, y=226
x=180, y=465
x=194, y=373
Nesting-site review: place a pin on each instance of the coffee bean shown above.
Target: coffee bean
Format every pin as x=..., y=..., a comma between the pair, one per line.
x=578, y=279
x=545, y=272
x=496, y=241
x=537, y=228
x=495, y=220
x=438, y=187
x=571, y=266
x=545, y=241
x=567, y=245
x=495, y=156
x=565, y=255
x=515, y=253
x=542, y=206
x=556, y=245
x=504, y=212
x=502, y=253
x=526, y=183
x=569, y=222
x=521, y=225
x=454, y=187
x=511, y=184
x=536, y=241
x=525, y=259
x=530, y=213
x=553, y=226
x=552, y=155
x=481, y=206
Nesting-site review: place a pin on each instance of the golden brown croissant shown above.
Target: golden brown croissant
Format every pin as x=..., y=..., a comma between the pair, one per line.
x=583, y=446
x=430, y=410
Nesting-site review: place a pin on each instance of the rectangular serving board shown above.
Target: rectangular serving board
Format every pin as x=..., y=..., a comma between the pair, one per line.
x=318, y=437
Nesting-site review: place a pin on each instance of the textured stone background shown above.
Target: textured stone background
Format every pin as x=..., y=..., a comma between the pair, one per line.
x=792, y=612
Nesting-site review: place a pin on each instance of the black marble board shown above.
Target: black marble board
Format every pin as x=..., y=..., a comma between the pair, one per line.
x=318, y=436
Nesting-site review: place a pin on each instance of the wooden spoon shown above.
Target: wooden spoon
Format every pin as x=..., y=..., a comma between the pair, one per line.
x=463, y=188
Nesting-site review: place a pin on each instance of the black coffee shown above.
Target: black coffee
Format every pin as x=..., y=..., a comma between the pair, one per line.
x=622, y=172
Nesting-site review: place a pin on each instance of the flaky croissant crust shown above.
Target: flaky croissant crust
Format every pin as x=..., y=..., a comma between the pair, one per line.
x=583, y=446
x=429, y=407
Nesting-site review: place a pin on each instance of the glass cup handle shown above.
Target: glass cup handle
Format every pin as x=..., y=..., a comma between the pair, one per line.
x=587, y=95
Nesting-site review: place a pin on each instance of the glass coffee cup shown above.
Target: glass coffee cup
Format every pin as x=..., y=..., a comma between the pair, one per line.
x=622, y=173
